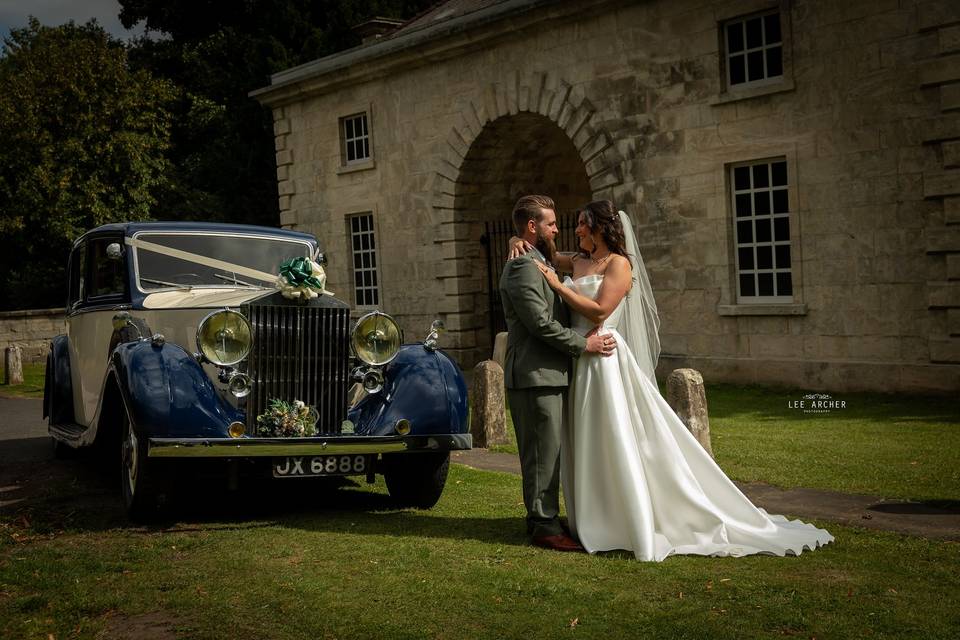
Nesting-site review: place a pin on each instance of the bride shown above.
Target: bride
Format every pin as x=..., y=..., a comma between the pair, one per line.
x=633, y=477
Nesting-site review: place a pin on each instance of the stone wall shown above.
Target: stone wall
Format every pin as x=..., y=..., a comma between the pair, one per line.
x=31, y=330
x=866, y=118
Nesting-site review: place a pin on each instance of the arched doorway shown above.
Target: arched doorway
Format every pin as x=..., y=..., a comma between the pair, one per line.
x=512, y=156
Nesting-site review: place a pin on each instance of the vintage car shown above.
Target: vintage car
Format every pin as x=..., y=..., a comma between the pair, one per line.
x=184, y=342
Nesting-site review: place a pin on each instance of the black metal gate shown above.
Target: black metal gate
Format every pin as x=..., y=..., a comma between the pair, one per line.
x=494, y=240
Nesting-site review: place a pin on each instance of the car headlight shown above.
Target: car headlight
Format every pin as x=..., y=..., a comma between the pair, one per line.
x=376, y=338
x=224, y=337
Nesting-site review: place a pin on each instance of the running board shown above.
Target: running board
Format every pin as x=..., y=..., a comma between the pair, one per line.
x=68, y=433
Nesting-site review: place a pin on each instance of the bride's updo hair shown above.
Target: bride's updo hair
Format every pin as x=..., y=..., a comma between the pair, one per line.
x=601, y=216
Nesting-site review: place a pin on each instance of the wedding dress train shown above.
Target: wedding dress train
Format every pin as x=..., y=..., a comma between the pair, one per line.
x=635, y=479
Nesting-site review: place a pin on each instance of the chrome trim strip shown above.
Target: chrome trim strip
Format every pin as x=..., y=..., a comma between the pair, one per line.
x=274, y=447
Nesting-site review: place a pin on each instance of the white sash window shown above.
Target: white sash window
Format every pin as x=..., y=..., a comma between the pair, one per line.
x=761, y=225
x=753, y=48
x=355, y=137
x=363, y=248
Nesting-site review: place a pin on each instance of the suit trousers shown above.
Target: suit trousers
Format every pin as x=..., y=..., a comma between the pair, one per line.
x=538, y=416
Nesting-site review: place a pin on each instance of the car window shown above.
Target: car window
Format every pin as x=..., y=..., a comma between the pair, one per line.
x=78, y=265
x=191, y=266
x=107, y=273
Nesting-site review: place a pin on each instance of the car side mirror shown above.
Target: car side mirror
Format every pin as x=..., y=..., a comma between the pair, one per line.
x=114, y=251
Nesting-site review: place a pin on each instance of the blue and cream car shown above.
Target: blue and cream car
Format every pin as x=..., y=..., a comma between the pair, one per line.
x=183, y=342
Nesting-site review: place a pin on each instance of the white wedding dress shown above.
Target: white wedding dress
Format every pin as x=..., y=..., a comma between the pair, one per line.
x=635, y=479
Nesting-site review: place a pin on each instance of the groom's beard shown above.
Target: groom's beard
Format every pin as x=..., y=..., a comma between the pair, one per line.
x=547, y=247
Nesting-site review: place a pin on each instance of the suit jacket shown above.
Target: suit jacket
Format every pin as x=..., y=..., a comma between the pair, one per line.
x=539, y=346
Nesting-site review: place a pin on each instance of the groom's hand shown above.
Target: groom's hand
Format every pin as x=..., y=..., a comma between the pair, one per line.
x=602, y=345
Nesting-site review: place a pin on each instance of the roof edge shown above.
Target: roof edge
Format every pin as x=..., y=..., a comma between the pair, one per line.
x=284, y=85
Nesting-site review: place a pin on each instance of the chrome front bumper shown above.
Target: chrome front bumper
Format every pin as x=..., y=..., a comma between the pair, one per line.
x=278, y=447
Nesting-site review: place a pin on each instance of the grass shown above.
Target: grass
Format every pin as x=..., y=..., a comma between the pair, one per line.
x=32, y=386
x=888, y=445
x=880, y=444
x=348, y=566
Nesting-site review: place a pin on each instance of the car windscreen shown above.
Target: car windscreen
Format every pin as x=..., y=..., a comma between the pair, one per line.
x=167, y=260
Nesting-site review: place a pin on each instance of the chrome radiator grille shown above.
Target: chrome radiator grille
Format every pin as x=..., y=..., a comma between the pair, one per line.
x=299, y=353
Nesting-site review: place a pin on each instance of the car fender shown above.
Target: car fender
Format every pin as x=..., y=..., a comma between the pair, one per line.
x=167, y=393
x=420, y=385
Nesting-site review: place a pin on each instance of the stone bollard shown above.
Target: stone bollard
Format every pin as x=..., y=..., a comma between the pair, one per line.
x=500, y=349
x=686, y=395
x=12, y=365
x=488, y=418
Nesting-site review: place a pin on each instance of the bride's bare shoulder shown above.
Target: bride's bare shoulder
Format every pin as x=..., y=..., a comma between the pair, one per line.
x=619, y=270
x=620, y=262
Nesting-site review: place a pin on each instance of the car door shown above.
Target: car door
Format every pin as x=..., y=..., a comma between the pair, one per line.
x=101, y=291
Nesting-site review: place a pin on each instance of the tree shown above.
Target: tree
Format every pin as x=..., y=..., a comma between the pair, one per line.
x=217, y=51
x=82, y=142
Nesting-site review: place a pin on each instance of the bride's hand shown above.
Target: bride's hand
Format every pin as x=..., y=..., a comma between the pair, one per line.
x=552, y=279
x=517, y=247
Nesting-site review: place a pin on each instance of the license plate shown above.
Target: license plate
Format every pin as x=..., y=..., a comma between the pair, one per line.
x=303, y=466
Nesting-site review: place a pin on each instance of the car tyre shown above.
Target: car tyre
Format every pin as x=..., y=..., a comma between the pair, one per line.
x=137, y=474
x=416, y=479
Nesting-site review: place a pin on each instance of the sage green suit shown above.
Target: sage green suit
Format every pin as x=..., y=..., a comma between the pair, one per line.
x=536, y=375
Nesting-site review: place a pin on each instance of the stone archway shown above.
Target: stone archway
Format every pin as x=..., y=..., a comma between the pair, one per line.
x=533, y=133
x=513, y=155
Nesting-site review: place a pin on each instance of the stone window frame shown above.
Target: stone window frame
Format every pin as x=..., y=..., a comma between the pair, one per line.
x=372, y=232
x=754, y=195
x=349, y=166
x=729, y=304
x=742, y=10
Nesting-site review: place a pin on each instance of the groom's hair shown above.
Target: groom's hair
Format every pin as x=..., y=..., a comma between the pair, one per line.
x=530, y=208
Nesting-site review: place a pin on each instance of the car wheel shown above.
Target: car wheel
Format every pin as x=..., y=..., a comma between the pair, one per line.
x=416, y=479
x=137, y=475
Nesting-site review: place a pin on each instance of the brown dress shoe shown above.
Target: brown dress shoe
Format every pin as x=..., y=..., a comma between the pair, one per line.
x=559, y=542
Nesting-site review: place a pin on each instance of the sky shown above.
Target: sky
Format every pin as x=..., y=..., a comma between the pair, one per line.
x=13, y=14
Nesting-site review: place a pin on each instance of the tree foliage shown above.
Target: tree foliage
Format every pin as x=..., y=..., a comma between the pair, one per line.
x=82, y=143
x=218, y=51
x=93, y=130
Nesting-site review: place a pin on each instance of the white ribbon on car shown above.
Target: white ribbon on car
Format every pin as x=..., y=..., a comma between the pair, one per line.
x=213, y=263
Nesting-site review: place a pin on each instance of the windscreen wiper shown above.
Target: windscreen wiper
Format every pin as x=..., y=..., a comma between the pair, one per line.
x=235, y=281
x=164, y=283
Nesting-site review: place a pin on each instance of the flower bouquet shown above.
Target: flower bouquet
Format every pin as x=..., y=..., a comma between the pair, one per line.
x=288, y=420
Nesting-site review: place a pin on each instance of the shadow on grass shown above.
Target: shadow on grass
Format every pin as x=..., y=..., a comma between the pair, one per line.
x=46, y=497
x=773, y=403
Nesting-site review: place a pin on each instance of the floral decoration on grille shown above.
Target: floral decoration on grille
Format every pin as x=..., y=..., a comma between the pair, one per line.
x=288, y=420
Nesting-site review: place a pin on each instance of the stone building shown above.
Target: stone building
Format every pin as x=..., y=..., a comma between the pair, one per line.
x=792, y=168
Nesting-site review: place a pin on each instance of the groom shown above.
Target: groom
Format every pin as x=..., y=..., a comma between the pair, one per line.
x=536, y=369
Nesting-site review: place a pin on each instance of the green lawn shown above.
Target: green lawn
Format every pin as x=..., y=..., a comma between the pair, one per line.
x=350, y=567
x=888, y=445
x=32, y=386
